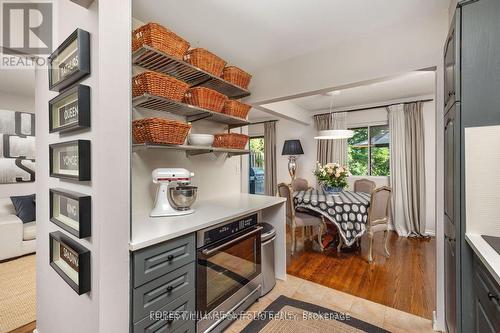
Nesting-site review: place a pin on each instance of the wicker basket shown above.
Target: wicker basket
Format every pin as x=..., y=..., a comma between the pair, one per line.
x=230, y=140
x=236, y=76
x=236, y=109
x=161, y=39
x=205, y=98
x=205, y=60
x=159, y=85
x=158, y=130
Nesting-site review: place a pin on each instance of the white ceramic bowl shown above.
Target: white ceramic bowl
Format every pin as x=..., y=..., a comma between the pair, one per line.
x=204, y=140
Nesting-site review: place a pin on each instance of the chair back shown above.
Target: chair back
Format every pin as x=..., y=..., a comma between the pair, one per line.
x=300, y=184
x=364, y=185
x=379, y=205
x=284, y=191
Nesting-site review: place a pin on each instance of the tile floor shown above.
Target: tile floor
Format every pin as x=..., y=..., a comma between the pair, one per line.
x=388, y=318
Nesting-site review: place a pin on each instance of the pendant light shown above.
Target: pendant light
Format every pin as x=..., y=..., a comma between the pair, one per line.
x=335, y=134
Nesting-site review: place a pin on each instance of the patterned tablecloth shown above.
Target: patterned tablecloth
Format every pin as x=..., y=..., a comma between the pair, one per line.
x=348, y=211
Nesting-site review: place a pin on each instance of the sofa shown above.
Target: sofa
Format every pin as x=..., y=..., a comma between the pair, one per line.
x=16, y=238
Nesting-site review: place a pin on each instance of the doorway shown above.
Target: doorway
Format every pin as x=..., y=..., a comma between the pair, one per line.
x=256, y=173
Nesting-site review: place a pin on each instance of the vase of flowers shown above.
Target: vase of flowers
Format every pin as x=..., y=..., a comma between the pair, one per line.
x=332, y=177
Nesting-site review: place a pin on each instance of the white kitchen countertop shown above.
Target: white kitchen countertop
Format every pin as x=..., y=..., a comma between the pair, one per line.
x=147, y=231
x=488, y=255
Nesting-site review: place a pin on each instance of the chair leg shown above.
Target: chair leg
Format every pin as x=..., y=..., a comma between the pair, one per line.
x=339, y=247
x=386, y=234
x=294, y=244
x=320, y=234
x=370, y=250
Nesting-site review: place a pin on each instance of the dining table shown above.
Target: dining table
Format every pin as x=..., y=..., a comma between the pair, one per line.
x=347, y=210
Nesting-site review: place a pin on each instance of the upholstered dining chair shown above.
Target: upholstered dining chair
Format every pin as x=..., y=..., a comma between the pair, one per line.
x=300, y=184
x=364, y=185
x=299, y=219
x=378, y=217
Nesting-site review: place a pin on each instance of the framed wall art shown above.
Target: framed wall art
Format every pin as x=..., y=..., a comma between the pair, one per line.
x=70, y=110
x=70, y=160
x=71, y=261
x=70, y=62
x=71, y=211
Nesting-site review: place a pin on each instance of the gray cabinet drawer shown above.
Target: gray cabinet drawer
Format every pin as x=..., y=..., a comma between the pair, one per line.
x=487, y=296
x=160, y=259
x=158, y=293
x=171, y=317
x=187, y=328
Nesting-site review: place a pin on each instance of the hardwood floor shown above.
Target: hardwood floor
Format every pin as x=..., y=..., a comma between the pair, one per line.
x=28, y=328
x=405, y=281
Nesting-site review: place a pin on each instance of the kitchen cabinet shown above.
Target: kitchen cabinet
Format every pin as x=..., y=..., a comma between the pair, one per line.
x=451, y=213
x=163, y=286
x=471, y=82
x=486, y=300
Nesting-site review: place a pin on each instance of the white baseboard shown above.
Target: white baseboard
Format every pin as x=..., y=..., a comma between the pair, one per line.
x=436, y=327
x=35, y=331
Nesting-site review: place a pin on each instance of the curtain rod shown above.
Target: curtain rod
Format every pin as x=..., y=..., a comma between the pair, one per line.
x=375, y=107
x=263, y=122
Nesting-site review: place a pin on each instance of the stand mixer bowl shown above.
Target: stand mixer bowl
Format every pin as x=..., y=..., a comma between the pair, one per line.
x=181, y=197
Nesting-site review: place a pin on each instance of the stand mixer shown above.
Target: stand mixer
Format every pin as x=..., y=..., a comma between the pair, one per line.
x=174, y=196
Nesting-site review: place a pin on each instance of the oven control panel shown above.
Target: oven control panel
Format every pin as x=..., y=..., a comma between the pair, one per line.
x=225, y=230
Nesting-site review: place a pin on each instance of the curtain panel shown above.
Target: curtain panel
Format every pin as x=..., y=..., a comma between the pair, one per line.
x=270, y=158
x=331, y=151
x=407, y=168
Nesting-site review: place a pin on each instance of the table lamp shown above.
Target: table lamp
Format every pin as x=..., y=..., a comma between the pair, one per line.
x=292, y=148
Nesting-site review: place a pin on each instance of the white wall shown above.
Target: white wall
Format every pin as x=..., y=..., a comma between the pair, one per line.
x=13, y=102
x=106, y=307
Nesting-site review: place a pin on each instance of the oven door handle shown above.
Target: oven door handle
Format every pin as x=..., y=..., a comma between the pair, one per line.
x=208, y=252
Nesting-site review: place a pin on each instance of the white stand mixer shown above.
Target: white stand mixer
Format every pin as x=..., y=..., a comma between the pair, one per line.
x=174, y=197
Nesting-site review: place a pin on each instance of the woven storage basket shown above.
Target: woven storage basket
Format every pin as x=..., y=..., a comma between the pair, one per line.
x=159, y=85
x=230, y=140
x=161, y=39
x=236, y=76
x=158, y=130
x=205, y=60
x=236, y=109
x=205, y=98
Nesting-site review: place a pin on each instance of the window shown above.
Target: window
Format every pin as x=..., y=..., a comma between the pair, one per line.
x=368, y=151
x=256, y=164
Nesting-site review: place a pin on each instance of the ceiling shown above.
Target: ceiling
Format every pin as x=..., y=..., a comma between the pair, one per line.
x=403, y=87
x=258, y=33
x=409, y=85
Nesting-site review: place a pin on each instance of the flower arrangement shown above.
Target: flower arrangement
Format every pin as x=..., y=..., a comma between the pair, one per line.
x=332, y=176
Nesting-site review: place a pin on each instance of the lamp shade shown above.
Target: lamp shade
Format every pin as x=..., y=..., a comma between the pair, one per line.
x=292, y=147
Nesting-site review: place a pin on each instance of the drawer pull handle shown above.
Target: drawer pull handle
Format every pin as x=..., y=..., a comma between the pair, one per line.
x=170, y=288
x=170, y=257
x=492, y=296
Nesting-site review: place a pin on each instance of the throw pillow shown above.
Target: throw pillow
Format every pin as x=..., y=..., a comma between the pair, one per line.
x=25, y=207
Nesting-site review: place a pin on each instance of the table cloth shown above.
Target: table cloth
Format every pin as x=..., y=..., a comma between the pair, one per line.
x=347, y=211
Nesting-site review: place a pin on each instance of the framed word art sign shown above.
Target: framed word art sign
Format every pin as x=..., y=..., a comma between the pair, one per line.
x=71, y=211
x=70, y=160
x=71, y=261
x=70, y=110
x=70, y=62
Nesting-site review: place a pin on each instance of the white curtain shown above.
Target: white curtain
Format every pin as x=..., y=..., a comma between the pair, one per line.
x=332, y=150
x=407, y=169
x=270, y=158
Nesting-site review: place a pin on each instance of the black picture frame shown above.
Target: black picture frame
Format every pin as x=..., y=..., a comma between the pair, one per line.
x=80, y=97
x=78, y=252
x=84, y=212
x=83, y=164
x=82, y=51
